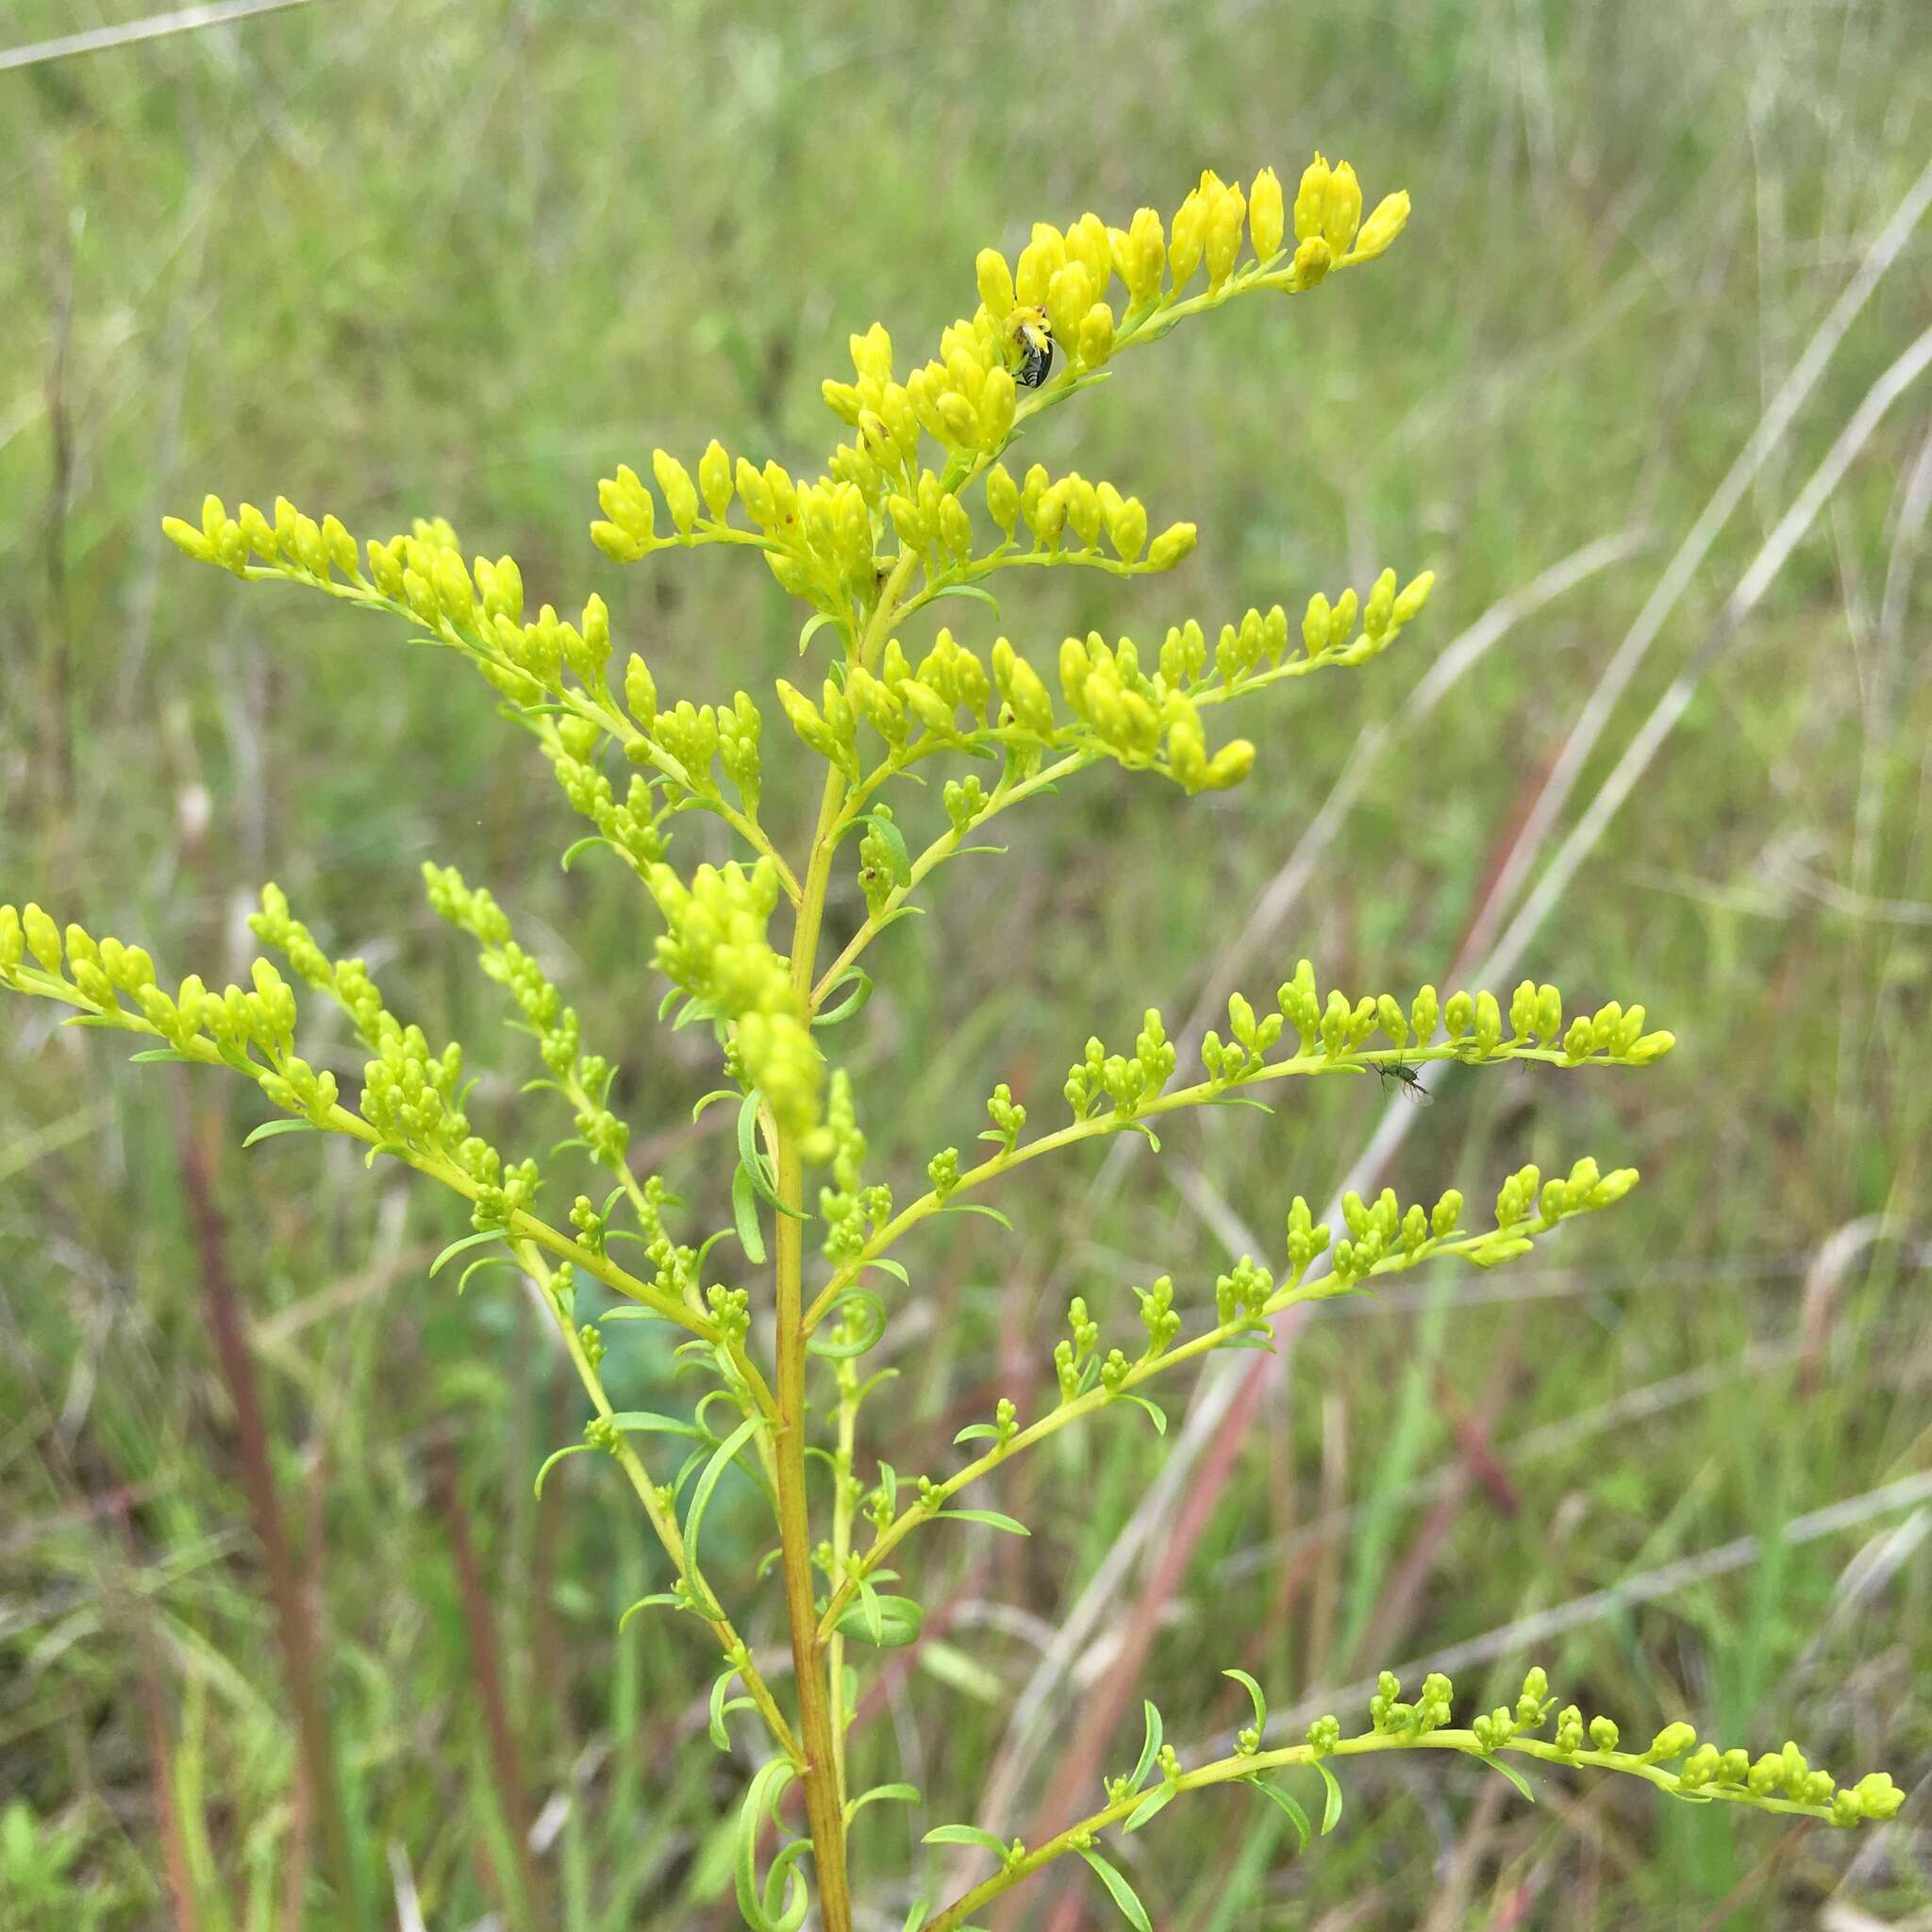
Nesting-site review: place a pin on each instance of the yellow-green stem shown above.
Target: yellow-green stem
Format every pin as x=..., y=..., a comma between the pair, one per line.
x=1227, y=1770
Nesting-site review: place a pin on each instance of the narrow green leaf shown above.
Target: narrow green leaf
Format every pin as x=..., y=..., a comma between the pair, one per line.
x=645, y=1603
x=573, y=852
x=868, y=1608
x=744, y=1211
x=642, y=1422
x=894, y=840
x=900, y=1618
x=1150, y=1745
x=761, y=1800
x=719, y=1708
x=884, y=1794
x=811, y=627
x=1156, y=1414
x=458, y=1247
x=965, y=1835
x=158, y=1053
x=1296, y=1816
x=1256, y=1692
x=854, y=1002
x=488, y=1262
x=977, y=1432
x=701, y=1496
x=269, y=1129
x=1150, y=1808
x=895, y=1269
x=977, y=1207
x=716, y=1094
x=1132, y=1910
x=836, y=1348
x=991, y=1517
x=973, y=590
x=1511, y=1772
x=1331, y=1812
x=555, y=1457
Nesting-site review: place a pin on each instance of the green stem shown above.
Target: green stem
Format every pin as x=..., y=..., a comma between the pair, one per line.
x=1230, y=1770
x=1205, y=1093
x=1325, y=1287
x=661, y=1520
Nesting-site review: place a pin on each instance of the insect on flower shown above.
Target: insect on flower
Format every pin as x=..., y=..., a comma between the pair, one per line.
x=1034, y=340
x=1407, y=1079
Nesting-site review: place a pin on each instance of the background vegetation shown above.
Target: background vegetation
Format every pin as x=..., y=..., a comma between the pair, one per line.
x=397, y=258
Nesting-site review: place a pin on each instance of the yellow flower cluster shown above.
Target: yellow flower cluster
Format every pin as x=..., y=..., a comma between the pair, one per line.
x=715, y=949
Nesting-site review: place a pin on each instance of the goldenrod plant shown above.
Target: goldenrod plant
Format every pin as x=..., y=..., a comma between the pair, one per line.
x=918, y=504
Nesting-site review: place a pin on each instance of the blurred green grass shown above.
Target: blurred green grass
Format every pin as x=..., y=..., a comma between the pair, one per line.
x=394, y=260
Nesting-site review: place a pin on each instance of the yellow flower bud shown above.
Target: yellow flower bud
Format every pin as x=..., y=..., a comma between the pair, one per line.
x=997, y=401
x=1265, y=214
x=1096, y=335
x=680, y=494
x=1224, y=234
x=1172, y=546
x=1069, y=295
x=1002, y=497
x=1311, y=199
x=714, y=480
x=42, y=936
x=1311, y=263
x=1344, y=212
x=995, y=283
x=1041, y=259
x=1381, y=228
x=1186, y=241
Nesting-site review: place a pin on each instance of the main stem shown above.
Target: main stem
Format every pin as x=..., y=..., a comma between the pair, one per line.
x=823, y=1805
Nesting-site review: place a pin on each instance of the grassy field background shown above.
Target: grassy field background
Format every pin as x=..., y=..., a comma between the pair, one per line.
x=395, y=260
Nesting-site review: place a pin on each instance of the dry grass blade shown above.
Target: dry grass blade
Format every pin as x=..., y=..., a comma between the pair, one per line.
x=100, y=40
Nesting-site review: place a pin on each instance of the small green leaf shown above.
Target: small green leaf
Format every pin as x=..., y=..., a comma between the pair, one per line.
x=716, y=1093
x=269, y=1129
x=468, y=1241
x=1296, y=1816
x=744, y=1211
x=1150, y=1745
x=488, y=1262
x=977, y=1207
x=158, y=1053
x=895, y=1269
x=1155, y=1412
x=645, y=1603
x=642, y=1422
x=991, y=1517
x=811, y=627
x=1155, y=1801
x=763, y=1912
x=854, y=1002
x=1132, y=1910
x=977, y=1432
x=965, y=1835
x=1256, y=1692
x=1511, y=1772
x=883, y=1794
x=555, y=1457
x=894, y=840
x=720, y=1736
x=701, y=1496
x=573, y=852
x=900, y=1618
x=842, y=1349
x=1331, y=1812
x=974, y=591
